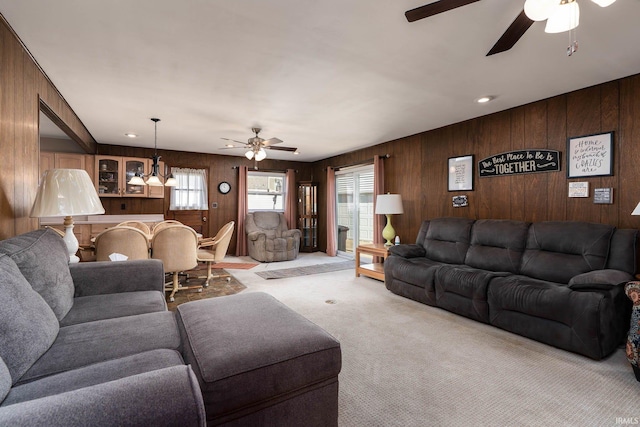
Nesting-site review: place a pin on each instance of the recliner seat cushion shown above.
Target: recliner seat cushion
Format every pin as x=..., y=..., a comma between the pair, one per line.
x=557, y=251
x=497, y=245
x=43, y=259
x=28, y=326
x=5, y=380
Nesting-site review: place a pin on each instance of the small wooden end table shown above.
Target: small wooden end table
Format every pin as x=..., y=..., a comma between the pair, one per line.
x=375, y=270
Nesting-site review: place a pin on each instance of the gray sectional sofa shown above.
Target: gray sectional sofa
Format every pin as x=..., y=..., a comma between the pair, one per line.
x=93, y=344
x=561, y=283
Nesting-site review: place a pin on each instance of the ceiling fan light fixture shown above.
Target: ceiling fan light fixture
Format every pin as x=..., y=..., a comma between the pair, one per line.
x=604, y=3
x=261, y=155
x=564, y=17
x=539, y=10
x=249, y=154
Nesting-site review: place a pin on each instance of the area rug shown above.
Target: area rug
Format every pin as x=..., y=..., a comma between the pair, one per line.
x=305, y=271
x=236, y=265
x=218, y=287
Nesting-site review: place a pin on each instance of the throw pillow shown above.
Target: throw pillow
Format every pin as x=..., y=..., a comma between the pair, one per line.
x=42, y=258
x=28, y=326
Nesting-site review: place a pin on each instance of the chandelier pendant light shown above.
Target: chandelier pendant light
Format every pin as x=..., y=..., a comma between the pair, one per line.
x=153, y=178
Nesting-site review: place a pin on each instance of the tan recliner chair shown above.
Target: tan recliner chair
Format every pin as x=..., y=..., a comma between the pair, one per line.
x=124, y=240
x=176, y=246
x=213, y=250
x=269, y=239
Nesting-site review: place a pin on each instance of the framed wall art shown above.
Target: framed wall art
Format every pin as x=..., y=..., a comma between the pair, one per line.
x=461, y=173
x=590, y=155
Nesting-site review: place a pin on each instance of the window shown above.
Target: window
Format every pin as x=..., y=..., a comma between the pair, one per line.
x=191, y=191
x=266, y=191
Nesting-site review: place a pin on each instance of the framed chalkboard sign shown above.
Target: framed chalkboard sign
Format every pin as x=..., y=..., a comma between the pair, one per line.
x=590, y=155
x=461, y=173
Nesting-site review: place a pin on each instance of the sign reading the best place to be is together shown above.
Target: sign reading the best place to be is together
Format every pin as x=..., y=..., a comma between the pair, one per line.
x=522, y=161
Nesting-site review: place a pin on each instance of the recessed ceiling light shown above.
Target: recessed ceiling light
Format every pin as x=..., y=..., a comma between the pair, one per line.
x=296, y=152
x=485, y=99
x=131, y=135
x=229, y=145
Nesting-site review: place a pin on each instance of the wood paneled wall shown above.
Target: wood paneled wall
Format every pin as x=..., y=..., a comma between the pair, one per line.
x=417, y=168
x=219, y=168
x=23, y=87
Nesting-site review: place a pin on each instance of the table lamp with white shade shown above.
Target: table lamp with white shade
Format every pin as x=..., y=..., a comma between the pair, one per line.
x=389, y=204
x=64, y=193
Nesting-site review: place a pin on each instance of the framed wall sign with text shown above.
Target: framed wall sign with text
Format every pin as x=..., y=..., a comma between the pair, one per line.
x=461, y=173
x=590, y=155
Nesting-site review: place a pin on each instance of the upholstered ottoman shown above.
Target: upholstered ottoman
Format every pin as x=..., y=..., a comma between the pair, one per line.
x=260, y=363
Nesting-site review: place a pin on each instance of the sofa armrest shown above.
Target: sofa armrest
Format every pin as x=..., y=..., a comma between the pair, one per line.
x=261, y=235
x=109, y=277
x=165, y=397
x=408, y=251
x=599, y=280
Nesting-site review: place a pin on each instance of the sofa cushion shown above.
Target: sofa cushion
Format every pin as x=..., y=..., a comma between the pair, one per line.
x=623, y=250
x=5, y=380
x=42, y=258
x=557, y=251
x=447, y=239
x=110, y=306
x=497, y=245
x=28, y=326
x=97, y=373
x=92, y=342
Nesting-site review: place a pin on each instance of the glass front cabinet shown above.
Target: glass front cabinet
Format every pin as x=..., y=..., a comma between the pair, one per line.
x=113, y=174
x=308, y=215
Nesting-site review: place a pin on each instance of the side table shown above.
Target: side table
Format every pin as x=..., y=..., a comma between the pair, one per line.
x=375, y=270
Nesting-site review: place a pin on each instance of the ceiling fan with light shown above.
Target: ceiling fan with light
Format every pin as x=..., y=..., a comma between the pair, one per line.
x=561, y=16
x=256, y=146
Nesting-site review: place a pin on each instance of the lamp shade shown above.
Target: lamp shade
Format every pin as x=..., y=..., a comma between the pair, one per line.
x=539, y=10
x=154, y=181
x=387, y=204
x=603, y=3
x=66, y=192
x=636, y=211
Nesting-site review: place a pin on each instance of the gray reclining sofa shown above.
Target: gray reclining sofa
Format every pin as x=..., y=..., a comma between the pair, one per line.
x=93, y=344
x=561, y=283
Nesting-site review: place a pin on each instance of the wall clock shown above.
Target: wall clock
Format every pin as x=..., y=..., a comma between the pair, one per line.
x=224, y=187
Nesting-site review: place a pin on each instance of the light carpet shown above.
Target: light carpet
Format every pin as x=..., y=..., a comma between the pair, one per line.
x=306, y=270
x=409, y=364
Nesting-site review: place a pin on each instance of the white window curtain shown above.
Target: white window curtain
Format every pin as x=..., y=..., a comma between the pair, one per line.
x=190, y=193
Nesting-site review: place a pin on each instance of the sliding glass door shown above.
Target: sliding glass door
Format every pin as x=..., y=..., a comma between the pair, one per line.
x=354, y=204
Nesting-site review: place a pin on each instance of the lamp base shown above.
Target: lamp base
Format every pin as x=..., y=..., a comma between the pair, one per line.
x=71, y=240
x=388, y=232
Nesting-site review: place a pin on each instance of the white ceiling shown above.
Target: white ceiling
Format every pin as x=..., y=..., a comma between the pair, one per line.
x=326, y=76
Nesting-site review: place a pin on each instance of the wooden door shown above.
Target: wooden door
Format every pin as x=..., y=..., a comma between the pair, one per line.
x=194, y=219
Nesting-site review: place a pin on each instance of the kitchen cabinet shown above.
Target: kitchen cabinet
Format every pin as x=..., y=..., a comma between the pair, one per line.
x=113, y=173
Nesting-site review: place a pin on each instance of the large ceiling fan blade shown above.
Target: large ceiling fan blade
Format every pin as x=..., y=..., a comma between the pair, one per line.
x=510, y=37
x=290, y=149
x=435, y=8
x=271, y=141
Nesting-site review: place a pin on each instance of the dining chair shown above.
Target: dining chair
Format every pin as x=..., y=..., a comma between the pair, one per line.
x=212, y=250
x=124, y=240
x=166, y=223
x=137, y=224
x=176, y=246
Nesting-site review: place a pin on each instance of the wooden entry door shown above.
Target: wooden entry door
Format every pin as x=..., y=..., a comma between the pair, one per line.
x=194, y=219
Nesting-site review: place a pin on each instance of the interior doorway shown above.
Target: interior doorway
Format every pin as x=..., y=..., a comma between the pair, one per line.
x=354, y=205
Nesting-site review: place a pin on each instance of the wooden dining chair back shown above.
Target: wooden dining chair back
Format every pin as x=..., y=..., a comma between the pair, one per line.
x=177, y=246
x=123, y=240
